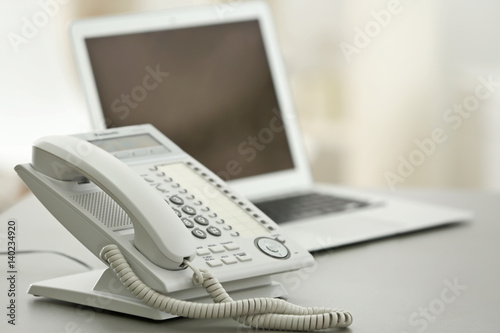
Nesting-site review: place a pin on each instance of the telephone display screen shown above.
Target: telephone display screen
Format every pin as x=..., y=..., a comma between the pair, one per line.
x=126, y=143
x=207, y=88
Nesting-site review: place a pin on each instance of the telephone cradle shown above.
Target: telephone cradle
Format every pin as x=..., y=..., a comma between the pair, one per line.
x=170, y=231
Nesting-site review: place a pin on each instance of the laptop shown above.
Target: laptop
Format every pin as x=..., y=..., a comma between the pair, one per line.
x=211, y=79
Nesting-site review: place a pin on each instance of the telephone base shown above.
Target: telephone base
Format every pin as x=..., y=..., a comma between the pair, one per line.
x=101, y=289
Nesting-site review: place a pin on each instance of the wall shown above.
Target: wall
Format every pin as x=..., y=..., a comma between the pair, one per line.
x=372, y=80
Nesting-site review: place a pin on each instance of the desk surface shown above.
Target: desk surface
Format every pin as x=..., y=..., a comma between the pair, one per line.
x=440, y=280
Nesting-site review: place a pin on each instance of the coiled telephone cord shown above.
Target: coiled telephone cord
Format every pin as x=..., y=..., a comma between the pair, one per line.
x=266, y=313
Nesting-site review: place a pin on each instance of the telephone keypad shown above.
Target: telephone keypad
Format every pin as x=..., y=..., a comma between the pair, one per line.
x=178, y=198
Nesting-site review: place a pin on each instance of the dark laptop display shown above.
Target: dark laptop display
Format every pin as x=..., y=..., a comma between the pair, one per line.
x=207, y=88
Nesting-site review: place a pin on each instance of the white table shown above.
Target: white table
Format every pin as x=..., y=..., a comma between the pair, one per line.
x=441, y=280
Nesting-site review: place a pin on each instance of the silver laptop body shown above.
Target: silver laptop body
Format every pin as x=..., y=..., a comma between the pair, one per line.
x=211, y=78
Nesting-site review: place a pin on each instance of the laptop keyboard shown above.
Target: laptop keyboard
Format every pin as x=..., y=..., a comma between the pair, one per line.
x=306, y=205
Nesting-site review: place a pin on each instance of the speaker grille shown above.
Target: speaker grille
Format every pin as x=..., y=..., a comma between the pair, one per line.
x=104, y=209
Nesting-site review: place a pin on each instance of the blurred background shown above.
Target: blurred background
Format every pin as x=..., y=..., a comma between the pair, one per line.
x=390, y=94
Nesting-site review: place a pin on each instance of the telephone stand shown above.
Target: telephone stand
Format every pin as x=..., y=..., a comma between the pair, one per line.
x=101, y=289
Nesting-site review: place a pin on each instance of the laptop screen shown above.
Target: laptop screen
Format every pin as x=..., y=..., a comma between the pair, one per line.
x=207, y=88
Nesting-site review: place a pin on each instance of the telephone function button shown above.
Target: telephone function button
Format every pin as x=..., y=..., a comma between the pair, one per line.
x=202, y=251
x=199, y=233
x=229, y=260
x=231, y=246
x=280, y=239
x=161, y=188
x=242, y=256
x=216, y=249
x=272, y=248
x=214, y=263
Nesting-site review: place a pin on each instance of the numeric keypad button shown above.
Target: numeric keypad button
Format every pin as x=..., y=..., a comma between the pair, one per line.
x=201, y=220
x=199, y=233
x=189, y=210
x=187, y=222
x=214, y=231
x=176, y=200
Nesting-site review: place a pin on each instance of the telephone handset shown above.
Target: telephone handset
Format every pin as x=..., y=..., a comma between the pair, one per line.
x=149, y=210
x=157, y=234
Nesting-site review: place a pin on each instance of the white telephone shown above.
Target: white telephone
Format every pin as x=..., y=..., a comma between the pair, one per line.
x=149, y=211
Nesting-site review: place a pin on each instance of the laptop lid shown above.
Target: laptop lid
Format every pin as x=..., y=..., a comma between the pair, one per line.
x=212, y=81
